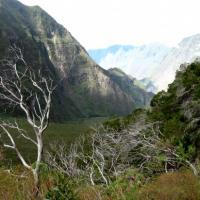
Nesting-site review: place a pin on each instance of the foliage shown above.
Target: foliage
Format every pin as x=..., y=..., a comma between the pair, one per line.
x=119, y=124
x=115, y=124
x=17, y=183
x=2, y=156
x=174, y=115
x=62, y=190
x=178, y=109
x=15, y=186
x=126, y=186
x=163, y=139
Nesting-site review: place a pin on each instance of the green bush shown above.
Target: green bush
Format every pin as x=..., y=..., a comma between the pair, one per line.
x=62, y=190
x=115, y=124
x=119, y=124
x=126, y=186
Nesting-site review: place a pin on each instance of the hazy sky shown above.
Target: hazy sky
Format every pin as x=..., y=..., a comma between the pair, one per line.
x=101, y=23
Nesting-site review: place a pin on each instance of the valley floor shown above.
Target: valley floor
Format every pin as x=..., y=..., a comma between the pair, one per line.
x=65, y=133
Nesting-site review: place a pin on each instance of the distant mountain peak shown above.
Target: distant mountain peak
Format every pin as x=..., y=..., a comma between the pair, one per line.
x=191, y=41
x=155, y=60
x=192, y=37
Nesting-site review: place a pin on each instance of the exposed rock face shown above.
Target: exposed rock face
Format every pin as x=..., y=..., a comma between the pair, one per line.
x=85, y=89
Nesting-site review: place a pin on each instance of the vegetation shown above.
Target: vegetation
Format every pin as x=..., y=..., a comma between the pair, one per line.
x=119, y=124
x=176, y=186
x=65, y=133
x=178, y=109
x=149, y=154
x=169, y=142
x=62, y=190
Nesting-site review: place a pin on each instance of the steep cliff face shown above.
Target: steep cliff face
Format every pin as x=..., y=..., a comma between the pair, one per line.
x=85, y=89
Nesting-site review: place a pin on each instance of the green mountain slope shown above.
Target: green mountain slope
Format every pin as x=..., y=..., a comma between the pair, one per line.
x=86, y=89
x=131, y=86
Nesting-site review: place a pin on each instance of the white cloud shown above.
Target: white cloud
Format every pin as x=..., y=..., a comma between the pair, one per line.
x=100, y=23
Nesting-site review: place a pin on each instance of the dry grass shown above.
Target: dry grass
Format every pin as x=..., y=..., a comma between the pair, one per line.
x=15, y=185
x=18, y=185
x=172, y=186
x=90, y=193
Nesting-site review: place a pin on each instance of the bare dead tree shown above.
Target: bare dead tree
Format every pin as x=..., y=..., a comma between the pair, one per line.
x=30, y=92
x=108, y=156
x=111, y=153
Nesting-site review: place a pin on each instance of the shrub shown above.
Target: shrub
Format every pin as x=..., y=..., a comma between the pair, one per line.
x=62, y=190
x=126, y=186
x=115, y=124
x=119, y=124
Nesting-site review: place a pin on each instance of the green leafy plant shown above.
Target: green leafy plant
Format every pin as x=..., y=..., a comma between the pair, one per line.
x=62, y=190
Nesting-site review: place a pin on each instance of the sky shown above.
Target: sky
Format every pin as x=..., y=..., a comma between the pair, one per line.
x=102, y=23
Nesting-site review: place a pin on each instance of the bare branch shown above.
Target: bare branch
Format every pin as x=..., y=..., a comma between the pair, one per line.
x=31, y=92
